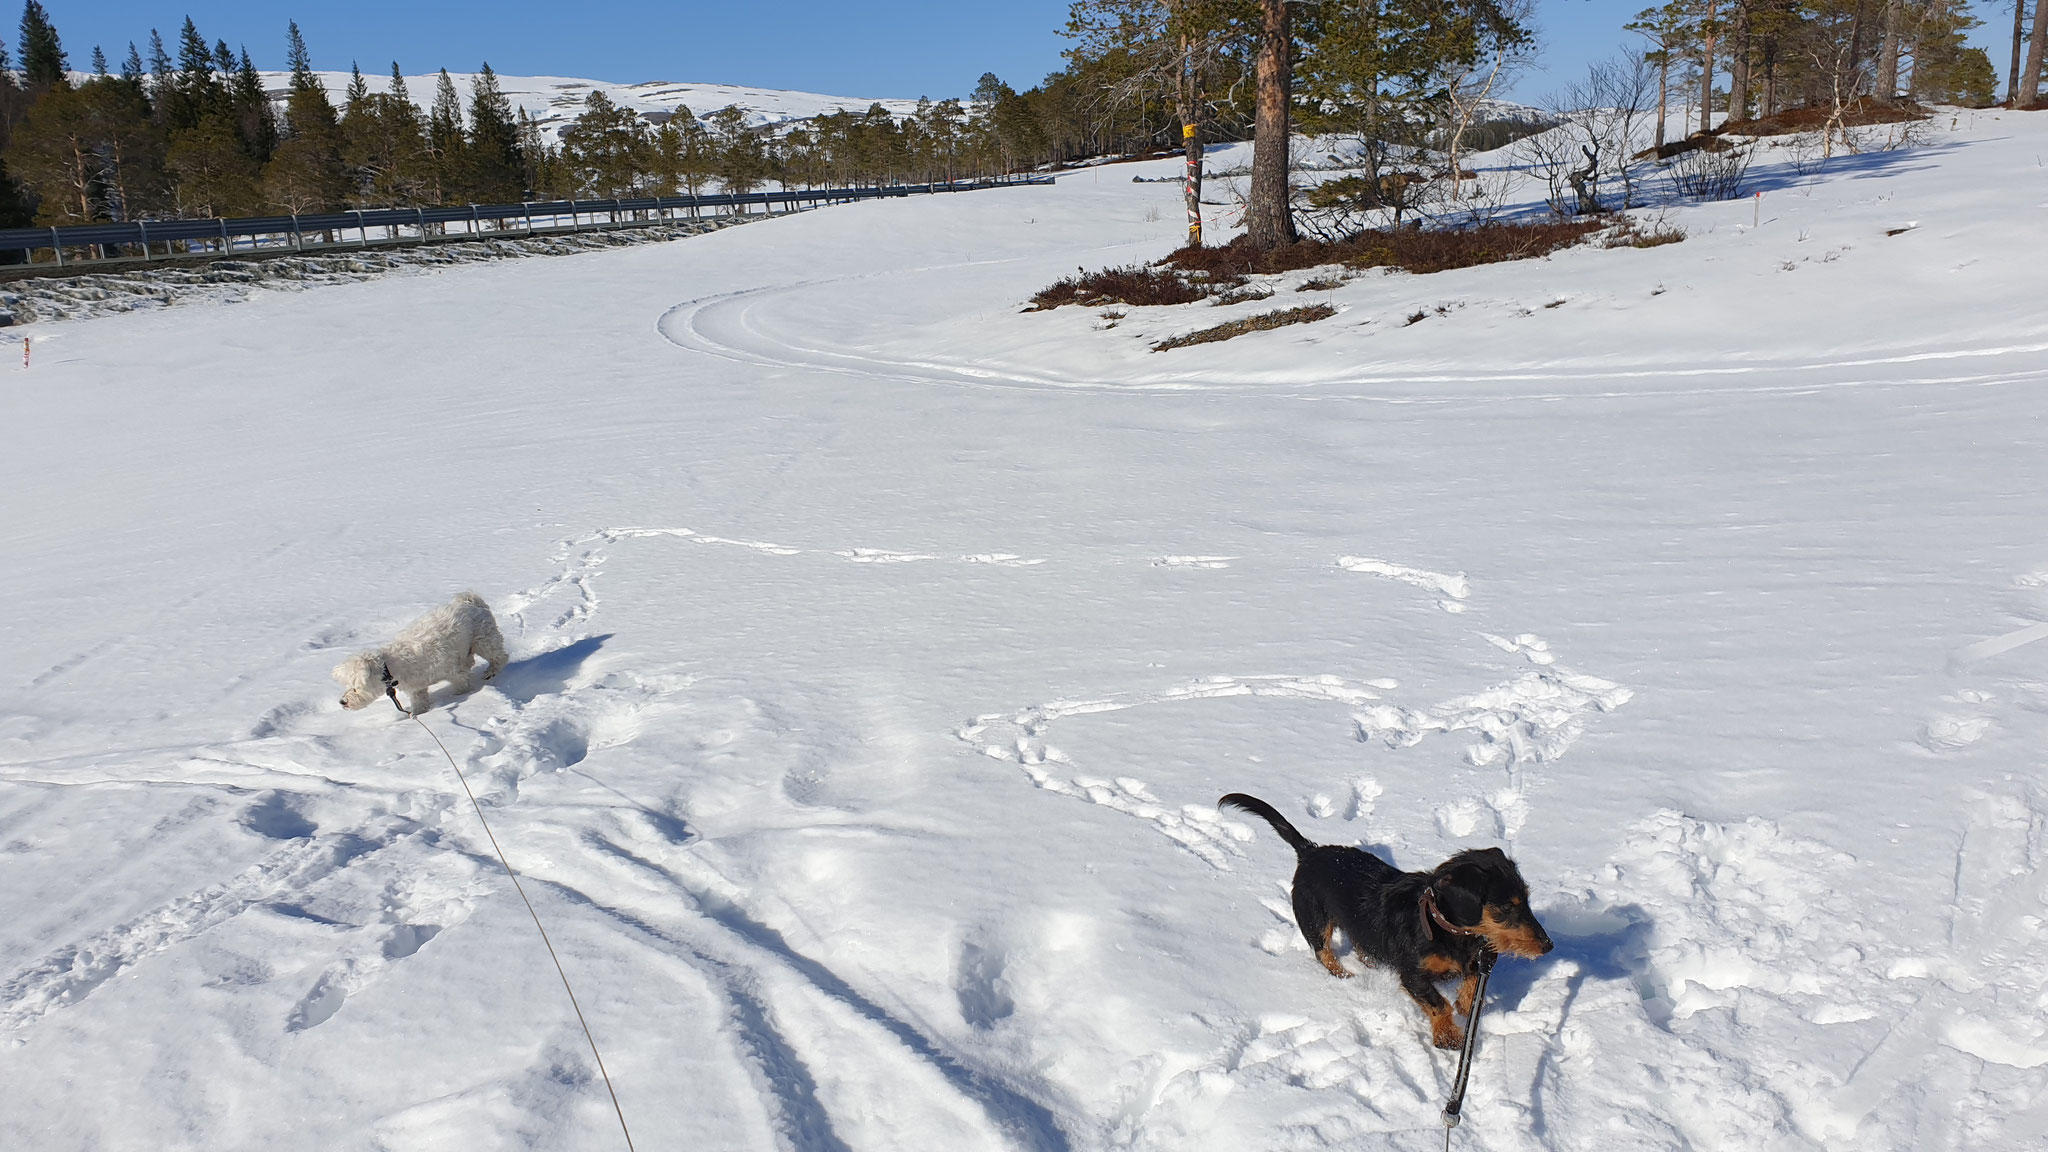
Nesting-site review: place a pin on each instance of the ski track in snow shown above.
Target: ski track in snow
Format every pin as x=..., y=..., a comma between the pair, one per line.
x=728, y=326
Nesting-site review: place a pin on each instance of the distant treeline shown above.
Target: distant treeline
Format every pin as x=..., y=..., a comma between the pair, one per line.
x=196, y=135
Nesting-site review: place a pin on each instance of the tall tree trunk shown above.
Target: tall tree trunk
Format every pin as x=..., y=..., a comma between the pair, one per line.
x=1707, y=70
x=2012, y=76
x=1269, y=219
x=1846, y=78
x=1888, y=54
x=2030, y=79
x=1187, y=100
x=1663, y=94
x=1738, y=65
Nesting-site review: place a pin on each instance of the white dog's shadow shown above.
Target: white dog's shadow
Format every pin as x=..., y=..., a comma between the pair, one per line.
x=548, y=672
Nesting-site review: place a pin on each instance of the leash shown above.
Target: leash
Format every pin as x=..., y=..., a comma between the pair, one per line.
x=1454, y=1108
x=391, y=691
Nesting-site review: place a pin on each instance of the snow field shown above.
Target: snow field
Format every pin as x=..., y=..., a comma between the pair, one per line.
x=880, y=651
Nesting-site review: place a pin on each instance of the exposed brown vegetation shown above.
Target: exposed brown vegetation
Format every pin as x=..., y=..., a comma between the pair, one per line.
x=1862, y=111
x=1419, y=250
x=1320, y=284
x=1243, y=296
x=1136, y=284
x=1694, y=143
x=1264, y=321
x=1634, y=233
x=1192, y=274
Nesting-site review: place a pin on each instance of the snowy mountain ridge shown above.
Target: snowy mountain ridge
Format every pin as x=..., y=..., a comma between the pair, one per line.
x=554, y=101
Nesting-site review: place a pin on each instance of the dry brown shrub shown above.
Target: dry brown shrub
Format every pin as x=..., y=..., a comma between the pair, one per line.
x=1864, y=110
x=1265, y=321
x=1243, y=296
x=1419, y=250
x=1136, y=284
x=1634, y=233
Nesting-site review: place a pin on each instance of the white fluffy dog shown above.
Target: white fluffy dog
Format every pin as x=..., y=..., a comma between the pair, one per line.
x=442, y=645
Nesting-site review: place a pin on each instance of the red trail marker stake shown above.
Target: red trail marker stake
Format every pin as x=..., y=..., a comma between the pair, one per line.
x=24, y=353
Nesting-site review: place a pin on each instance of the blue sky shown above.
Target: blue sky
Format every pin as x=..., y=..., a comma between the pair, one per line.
x=882, y=48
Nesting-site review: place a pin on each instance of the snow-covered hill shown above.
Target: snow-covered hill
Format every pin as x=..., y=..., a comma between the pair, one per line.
x=553, y=101
x=880, y=651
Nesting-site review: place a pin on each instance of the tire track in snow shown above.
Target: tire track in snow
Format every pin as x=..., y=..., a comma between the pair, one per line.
x=725, y=326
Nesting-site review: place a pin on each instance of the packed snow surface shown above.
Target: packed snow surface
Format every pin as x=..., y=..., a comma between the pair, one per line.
x=880, y=651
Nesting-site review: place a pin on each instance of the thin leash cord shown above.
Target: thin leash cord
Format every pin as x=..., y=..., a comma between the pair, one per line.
x=521, y=889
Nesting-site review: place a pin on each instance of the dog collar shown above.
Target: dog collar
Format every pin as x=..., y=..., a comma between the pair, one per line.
x=1430, y=912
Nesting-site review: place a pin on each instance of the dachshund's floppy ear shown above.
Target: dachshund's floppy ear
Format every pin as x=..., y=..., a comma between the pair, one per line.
x=1461, y=894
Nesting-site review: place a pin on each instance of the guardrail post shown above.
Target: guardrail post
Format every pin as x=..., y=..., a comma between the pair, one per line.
x=57, y=247
x=476, y=225
x=298, y=237
x=142, y=226
x=527, y=205
x=362, y=231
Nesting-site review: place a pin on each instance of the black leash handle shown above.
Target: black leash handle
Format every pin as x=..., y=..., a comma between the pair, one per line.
x=1455, y=1107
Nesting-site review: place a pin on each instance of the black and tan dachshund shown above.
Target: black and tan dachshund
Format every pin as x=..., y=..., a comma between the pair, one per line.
x=1427, y=926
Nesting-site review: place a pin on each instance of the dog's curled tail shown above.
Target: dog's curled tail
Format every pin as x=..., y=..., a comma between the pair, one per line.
x=1271, y=815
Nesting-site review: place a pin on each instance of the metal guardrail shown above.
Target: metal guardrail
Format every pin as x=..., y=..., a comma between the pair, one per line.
x=181, y=239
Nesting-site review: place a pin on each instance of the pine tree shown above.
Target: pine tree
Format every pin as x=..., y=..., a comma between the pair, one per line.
x=305, y=174
x=99, y=62
x=406, y=177
x=159, y=62
x=669, y=151
x=382, y=144
x=2028, y=94
x=15, y=209
x=495, y=172
x=358, y=90
x=1268, y=215
x=89, y=152
x=131, y=68
x=13, y=106
x=546, y=177
x=254, y=116
x=445, y=144
x=212, y=174
x=741, y=164
x=192, y=92
x=195, y=61
x=43, y=63
x=606, y=149
x=700, y=155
